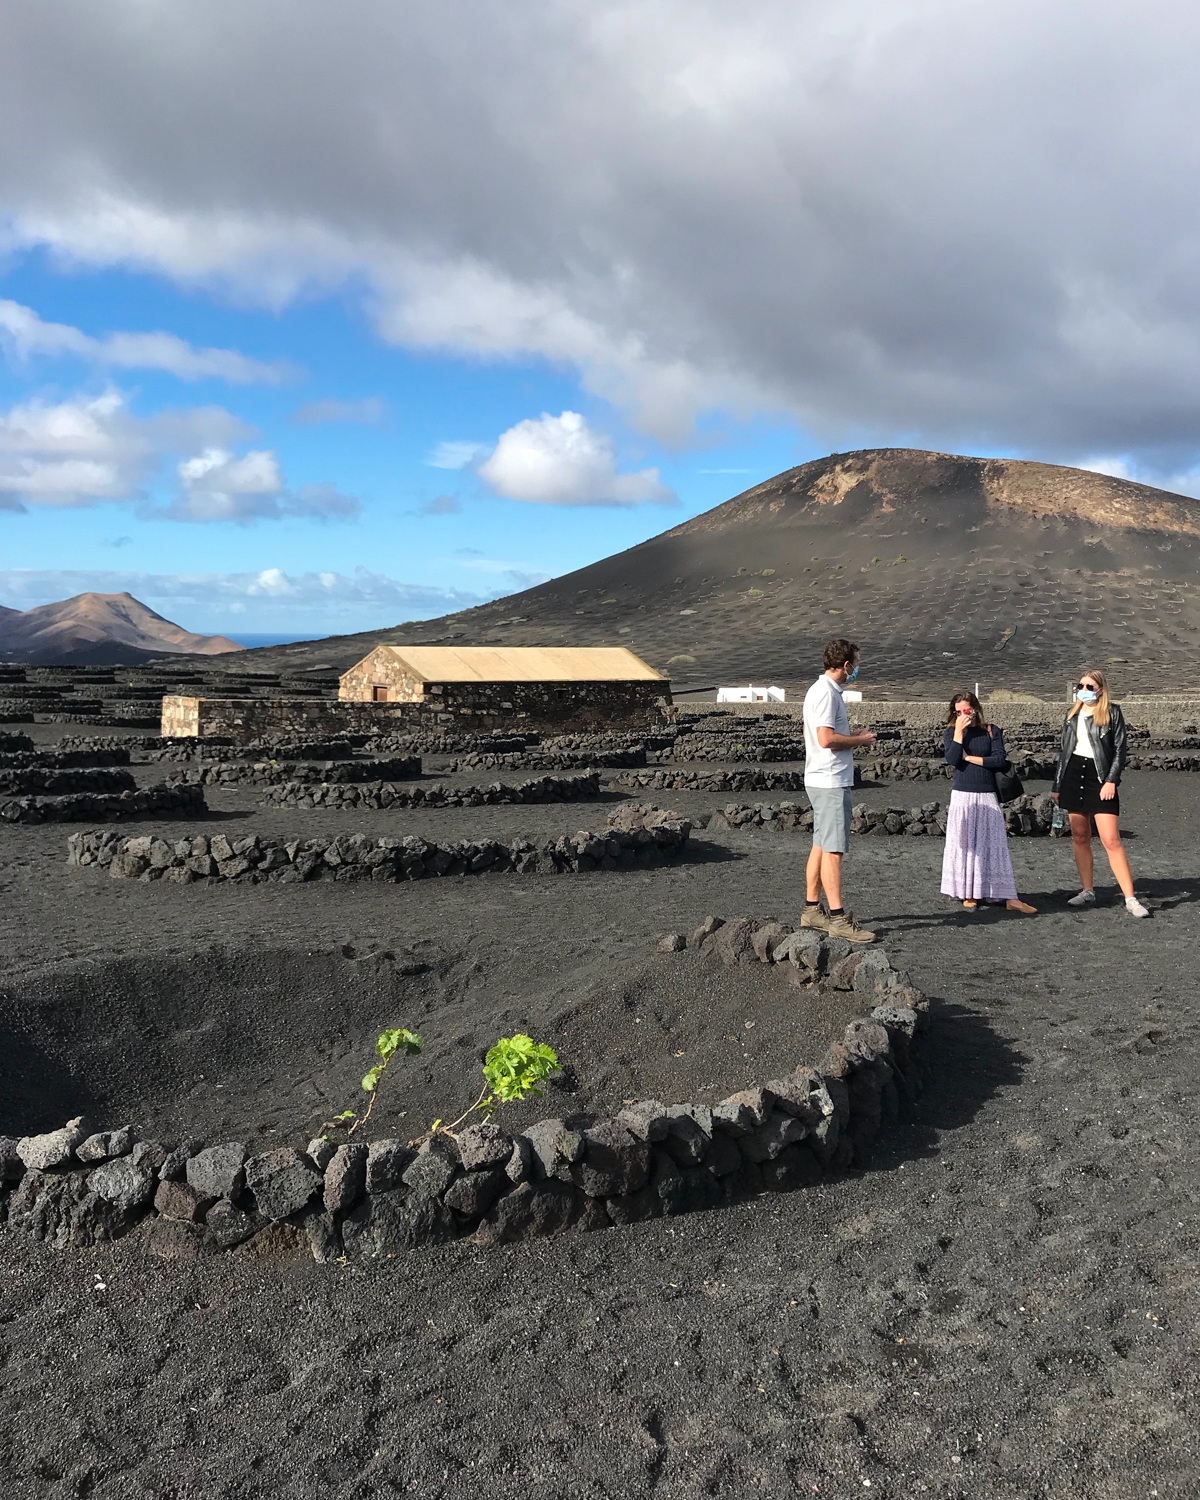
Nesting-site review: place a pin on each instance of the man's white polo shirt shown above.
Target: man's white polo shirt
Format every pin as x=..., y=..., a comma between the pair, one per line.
x=825, y=707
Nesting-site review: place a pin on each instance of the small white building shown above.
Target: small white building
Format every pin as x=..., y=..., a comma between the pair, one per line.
x=751, y=694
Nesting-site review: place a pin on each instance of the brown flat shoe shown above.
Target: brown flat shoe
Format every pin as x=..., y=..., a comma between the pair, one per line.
x=970, y=905
x=1021, y=906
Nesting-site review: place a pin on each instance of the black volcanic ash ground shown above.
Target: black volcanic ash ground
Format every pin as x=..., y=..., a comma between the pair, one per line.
x=1003, y=1305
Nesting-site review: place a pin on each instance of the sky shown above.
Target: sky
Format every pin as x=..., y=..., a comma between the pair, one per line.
x=317, y=322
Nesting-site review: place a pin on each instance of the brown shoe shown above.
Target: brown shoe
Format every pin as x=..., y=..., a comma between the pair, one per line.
x=1021, y=906
x=970, y=905
x=814, y=916
x=846, y=927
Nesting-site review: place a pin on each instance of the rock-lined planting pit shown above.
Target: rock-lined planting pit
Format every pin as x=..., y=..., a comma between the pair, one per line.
x=1023, y=816
x=634, y=837
x=195, y=749
x=86, y=807
x=77, y=1185
x=50, y=781
x=711, y=781
x=275, y=773
x=382, y=794
x=62, y=760
x=539, y=759
x=937, y=768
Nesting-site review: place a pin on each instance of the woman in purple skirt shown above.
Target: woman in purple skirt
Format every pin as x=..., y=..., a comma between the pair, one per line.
x=976, y=865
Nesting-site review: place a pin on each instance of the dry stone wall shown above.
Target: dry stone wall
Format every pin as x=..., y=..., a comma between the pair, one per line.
x=141, y=744
x=77, y=1186
x=542, y=759
x=89, y=807
x=48, y=781
x=711, y=781
x=382, y=794
x=447, y=743
x=275, y=773
x=634, y=837
x=1024, y=816
x=61, y=760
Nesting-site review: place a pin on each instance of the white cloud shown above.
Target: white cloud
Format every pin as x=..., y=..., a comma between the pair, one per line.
x=23, y=335
x=369, y=412
x=455, y=455
x=91, y=450
x=1178, y=482
x=217, y=485
x=886, y=219
x=562, y=461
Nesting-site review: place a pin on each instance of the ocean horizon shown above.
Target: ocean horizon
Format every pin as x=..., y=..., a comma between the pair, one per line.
x=253, y=641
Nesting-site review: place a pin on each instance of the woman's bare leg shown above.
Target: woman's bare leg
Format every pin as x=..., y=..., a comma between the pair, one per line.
x=1118, y=862
x=1081, y=844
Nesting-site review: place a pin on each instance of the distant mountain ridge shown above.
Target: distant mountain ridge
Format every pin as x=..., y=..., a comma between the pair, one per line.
x=946, y=569
x=99, y=630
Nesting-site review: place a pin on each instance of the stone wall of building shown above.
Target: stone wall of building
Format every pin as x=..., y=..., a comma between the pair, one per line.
x=580, y=707
x=240, y=720
x=380, y=669
x=466, y=707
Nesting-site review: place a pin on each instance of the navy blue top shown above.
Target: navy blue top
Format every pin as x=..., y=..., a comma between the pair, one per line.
x=975, y=742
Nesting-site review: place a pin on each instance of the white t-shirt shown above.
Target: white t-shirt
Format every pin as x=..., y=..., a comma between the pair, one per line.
x=825, y=707
x=1083, y=743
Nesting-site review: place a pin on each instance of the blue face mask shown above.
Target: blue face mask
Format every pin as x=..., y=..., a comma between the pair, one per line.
x=853, y=676
x=1086, y=695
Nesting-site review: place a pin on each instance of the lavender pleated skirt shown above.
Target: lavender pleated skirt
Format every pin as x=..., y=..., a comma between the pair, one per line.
x=976, y=865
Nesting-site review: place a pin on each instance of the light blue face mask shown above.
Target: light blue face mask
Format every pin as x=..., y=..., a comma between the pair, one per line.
x=853, y=676
x=1087, y=695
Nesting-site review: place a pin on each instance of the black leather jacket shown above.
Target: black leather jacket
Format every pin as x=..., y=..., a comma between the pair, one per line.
x=1109, y=744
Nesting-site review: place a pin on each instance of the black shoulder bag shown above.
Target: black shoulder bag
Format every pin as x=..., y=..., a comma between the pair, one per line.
x=1008, y=784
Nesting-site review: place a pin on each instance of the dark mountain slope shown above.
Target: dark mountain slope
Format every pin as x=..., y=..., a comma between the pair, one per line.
x=945, y=569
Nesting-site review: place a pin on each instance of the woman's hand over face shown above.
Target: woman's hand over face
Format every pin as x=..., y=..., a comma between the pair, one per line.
x=962, y=723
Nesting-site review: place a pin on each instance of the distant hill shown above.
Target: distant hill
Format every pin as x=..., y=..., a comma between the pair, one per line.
x=99, y=630
x=945, y=569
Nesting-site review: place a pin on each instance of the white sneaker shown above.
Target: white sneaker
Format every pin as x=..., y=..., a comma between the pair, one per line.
x=1135, y=908
x=1084, y=898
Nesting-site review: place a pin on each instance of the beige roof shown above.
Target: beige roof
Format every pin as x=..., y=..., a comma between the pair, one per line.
x=524, y=664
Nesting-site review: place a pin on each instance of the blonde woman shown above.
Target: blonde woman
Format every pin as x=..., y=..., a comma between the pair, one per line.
x=1091, y=758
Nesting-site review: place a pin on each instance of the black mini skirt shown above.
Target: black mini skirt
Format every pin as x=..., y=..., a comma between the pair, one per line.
x=1079, y=790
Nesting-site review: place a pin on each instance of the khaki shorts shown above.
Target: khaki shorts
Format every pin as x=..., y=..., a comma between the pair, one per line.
x=832, y=806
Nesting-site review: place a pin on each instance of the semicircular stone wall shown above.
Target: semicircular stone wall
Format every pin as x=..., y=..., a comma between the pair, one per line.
x=78, y=1185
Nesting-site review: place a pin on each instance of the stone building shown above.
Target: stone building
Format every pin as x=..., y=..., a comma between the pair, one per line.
x=568, y=687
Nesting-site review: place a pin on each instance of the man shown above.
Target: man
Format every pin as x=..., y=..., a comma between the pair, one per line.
x=829, y=750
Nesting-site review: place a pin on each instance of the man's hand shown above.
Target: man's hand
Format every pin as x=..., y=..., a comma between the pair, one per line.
x=865, y=738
